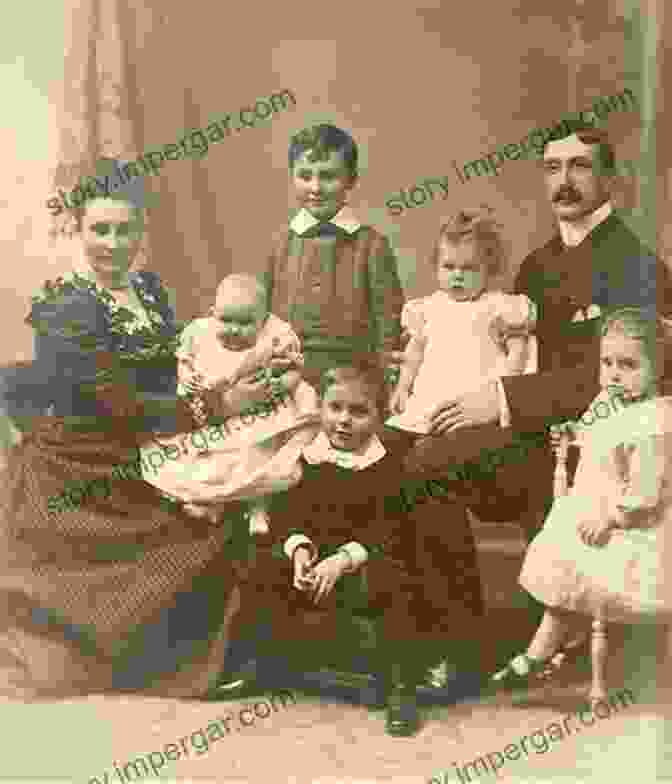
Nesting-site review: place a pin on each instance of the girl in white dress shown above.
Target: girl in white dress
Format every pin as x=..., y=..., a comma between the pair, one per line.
x=465, y=332
x=601, y=551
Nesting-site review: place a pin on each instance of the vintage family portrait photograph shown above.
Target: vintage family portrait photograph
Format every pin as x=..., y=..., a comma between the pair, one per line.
x=336, y=392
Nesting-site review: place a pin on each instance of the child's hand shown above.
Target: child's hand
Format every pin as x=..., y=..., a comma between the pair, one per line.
x=399, y=400
x=303, y=560
x=558, y=432
x=595, y=533
x=326, y=573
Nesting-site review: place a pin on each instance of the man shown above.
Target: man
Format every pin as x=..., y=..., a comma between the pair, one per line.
x=594, y=264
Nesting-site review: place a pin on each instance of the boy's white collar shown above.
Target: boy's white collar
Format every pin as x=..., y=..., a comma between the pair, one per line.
x=321, y=451
x=345, y=219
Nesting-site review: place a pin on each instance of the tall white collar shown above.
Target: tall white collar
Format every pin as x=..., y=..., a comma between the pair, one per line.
x=574, y=232
x=345, y=219
x=321, y=451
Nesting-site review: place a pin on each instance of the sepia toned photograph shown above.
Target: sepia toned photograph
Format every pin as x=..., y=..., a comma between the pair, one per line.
x=336, y=393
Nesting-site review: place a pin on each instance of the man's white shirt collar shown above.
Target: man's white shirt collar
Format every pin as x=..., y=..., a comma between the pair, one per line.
x=321, y=451
x=574, y=232
x=345, y=219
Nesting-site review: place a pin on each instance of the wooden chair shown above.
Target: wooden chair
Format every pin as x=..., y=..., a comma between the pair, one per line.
x=599, y=647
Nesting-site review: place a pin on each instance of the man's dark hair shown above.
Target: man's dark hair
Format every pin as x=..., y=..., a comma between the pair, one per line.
x=588, y=135
x=362, y=370
x=322, y=140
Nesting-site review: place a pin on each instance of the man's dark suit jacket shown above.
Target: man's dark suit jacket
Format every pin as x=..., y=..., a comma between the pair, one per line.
x=610, y=268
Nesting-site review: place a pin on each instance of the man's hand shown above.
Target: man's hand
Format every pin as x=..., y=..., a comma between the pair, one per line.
x=479, y=407
x=399, y=399
x=326, y=573
x=595, y=533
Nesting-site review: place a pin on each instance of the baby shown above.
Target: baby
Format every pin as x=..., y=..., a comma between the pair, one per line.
x=240, y=366
x=465, y=332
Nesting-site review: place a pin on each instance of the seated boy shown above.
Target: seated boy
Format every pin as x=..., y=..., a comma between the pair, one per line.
x=340, y=543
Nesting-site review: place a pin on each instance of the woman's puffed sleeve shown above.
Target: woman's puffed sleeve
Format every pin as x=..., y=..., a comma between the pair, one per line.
x=185, y=353
x=515, y=315
x=647, y=469
x=68, y=331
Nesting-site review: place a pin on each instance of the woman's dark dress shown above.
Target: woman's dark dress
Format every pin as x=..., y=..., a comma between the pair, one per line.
x=111, y=591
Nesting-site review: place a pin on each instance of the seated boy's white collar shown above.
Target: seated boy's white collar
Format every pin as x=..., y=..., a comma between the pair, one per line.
x=321, y=451
x=345, y=219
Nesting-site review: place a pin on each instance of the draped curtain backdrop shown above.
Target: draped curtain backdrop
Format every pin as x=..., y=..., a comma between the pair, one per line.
x=420, y=85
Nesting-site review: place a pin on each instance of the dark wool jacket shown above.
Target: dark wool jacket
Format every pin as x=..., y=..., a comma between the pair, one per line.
x=339, y=293
x=610, y=268
x=334, y=505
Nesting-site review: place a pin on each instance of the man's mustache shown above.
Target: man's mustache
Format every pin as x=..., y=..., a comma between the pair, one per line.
x=567, y=193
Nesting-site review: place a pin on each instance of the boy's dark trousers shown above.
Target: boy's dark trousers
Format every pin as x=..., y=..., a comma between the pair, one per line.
x=337, y=632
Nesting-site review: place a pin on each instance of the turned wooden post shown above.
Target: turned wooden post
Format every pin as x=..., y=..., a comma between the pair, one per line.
x=598, y=657
x=598, y=640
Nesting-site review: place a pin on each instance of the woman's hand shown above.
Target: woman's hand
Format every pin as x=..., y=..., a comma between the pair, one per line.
x=326, y=573
x=595, y=533
x=247, y=392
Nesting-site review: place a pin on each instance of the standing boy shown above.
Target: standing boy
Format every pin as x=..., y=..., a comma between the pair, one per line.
x=332, y=278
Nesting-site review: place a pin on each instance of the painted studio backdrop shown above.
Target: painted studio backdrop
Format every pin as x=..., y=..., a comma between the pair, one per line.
x=428, y=90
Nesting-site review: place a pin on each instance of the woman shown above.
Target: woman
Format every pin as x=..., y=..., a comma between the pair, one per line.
x=103, y=588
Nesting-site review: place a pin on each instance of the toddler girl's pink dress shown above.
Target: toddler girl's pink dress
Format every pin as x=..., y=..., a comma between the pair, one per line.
x=247, y=455
x=464, y=348
x=625, y=464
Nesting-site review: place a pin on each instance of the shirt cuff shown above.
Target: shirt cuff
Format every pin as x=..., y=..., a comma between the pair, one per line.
x=359, y=555
x=504, y=410
x=294, y=541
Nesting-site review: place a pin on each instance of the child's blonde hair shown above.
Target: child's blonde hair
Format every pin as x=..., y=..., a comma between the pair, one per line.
x=476, y=225
x=645, y=325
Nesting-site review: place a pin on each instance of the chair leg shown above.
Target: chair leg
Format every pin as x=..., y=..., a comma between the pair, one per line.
x=598, y=653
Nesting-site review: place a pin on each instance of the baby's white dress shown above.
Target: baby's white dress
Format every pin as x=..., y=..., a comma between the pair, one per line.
x=465, y=347
x=625, y=463
x=250, y=455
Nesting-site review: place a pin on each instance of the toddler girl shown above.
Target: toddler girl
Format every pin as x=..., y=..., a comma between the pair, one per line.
x=239, y=370
x=463, y=333
x=601, y=549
